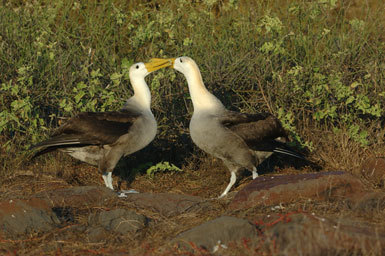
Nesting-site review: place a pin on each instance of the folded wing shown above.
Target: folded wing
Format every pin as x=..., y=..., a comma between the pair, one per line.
x=253, y=128
x=89, y=128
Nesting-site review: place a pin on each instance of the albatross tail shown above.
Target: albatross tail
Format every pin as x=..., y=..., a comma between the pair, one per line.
x=289, y=153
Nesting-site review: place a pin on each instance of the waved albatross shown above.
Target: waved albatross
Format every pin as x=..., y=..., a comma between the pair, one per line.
x=102, y=138
x=240, y=140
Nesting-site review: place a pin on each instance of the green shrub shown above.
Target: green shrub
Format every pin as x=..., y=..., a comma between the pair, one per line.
x=305, y=61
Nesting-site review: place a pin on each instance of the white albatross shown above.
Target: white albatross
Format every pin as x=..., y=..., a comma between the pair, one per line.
x=242, y=141
x=102, y=138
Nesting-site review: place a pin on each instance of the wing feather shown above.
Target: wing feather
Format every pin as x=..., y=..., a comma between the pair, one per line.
x=89, y=128
x=254, y=127
x=104, y=127
x=260, y=132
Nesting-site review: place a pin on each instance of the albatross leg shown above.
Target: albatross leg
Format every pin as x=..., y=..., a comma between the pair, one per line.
x=107, y=177
x=104, y=175
x=233, y=178
x=255, y=174
x=110, y=180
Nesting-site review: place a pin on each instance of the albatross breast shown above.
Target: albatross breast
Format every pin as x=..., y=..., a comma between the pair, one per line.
x=208, y=133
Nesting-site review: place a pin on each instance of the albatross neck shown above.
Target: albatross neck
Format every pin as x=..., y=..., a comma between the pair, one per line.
x=201, y=98
x=142, y=94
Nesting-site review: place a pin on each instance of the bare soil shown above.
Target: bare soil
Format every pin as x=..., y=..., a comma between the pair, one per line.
x=203, y=177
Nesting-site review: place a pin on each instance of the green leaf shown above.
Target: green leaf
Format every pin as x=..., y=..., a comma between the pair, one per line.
x=349, y=100
x=96, y=73
x=355, y=84
x=79, y=96
x=126, y=64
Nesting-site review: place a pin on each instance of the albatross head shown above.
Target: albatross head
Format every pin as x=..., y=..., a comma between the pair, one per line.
x=137, y=72
x=185, y=65
x=202, y=99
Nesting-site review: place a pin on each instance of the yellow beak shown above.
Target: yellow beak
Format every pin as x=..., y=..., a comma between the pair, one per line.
x=170, y=61
x=155, y=64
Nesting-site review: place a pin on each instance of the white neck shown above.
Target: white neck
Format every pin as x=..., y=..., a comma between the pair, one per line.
x=201, y=98
x=142, y=94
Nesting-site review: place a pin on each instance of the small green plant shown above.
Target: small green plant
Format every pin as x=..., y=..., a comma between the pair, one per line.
x=162, y=167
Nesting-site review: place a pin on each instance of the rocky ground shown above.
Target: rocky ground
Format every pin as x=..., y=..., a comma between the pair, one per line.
x=286, y=212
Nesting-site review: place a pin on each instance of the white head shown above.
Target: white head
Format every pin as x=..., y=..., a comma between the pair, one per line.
x=202, y=99
x=137, y=73
x=186, y=66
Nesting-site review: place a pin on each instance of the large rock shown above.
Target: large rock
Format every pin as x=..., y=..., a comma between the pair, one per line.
x=306, y=234
x=216, y=234
x=369, y=204
x=271, y=190
x=77, y=196
x=168, y=204
x=373, y=169
x=18, y=217
x=119, y=221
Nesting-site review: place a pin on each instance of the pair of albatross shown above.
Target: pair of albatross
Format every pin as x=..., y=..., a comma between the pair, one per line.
x=241, y=140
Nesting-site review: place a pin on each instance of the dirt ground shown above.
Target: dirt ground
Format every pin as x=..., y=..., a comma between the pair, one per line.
x=202, y=176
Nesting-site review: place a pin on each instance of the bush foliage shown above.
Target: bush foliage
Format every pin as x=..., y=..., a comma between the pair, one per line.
x=315, y=64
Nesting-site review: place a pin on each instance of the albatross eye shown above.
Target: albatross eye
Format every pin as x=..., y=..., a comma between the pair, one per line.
x=181, y=60
x=137, y=66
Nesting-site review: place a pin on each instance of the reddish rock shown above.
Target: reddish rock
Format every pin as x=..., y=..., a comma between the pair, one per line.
x=369, y=204
x=306, y=234
x=169, y=204
x=19, y=217
x=270, y=190
x=373, y=169
x=77, y=196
